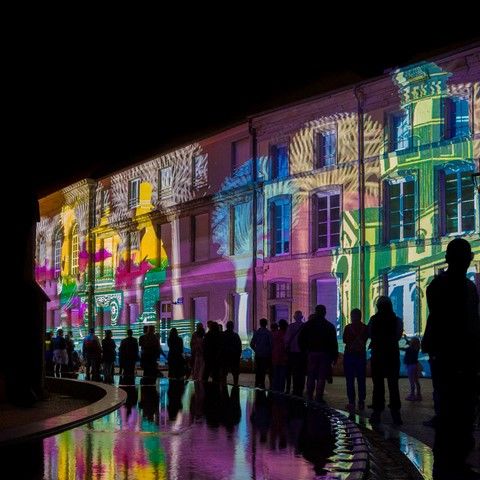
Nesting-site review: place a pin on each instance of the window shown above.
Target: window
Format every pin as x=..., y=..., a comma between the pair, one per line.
x=280, y=213
x=165, y=182
x=42, y=251
x=400, y=209
x=57, y=254
x=105, y=201
x=456, y=117
x=241, y=218
x=280, y=290
x=75, y=251
x=457, y=202
x=279, y=161
x=200, y=171
x=326, y=220
x=326, y=291
x=134, y=193
x=240, y=153
x=133, y=254
x=399, y=131
x=326, y=148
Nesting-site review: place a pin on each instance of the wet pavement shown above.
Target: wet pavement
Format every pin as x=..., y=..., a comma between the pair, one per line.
x=177, y=430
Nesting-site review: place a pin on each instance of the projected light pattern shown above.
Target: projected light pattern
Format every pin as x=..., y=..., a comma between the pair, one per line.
x=177, y=430
x=171, y=241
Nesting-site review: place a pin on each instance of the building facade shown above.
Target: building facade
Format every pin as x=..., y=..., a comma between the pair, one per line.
x=335, y=200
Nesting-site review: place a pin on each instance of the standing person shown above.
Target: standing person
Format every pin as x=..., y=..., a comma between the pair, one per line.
x=108, y=356
x=385, y=330
x=279, y=357
x=150, y=353
x=141, y=342
x=92, y=353
x=70, y=350
x=355, y=336
x=128, y=355
x=231, y=353
x=453, y=300
x=60, y=356
x=261, y=344
x=296, y=358
x=318, y=338
x=196, y=347
x=176, y=361
x=212, y=346
x=411, y=362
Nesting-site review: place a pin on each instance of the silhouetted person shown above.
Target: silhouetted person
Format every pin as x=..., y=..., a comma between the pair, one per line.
x=453, y=306
x=212, y=346
x=141, y=341
x=176, y=361
x=231, y=353
x=355, y=336
x=196, y=348
x=279, y=357
x=385, y=330
x=109, y=354
x=92, y=353
x=296, y=358
x=60, y=356
x=128, y=356
x=318, y=338
x=261, y=344
x=150, y=352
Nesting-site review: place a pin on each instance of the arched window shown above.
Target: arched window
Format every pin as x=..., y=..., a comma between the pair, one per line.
x=57, y=253
x=75, y=251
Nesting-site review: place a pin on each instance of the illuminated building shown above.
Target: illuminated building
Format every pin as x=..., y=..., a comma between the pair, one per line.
x=342, y=197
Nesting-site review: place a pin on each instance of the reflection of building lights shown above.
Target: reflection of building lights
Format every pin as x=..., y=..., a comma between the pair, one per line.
x=476, y=180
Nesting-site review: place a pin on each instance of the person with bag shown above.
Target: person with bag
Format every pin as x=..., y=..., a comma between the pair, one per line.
x=296, y=358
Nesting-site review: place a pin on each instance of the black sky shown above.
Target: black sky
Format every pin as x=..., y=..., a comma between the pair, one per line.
x=86, y=107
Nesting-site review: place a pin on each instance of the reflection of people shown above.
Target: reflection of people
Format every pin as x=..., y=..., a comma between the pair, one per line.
x=132, y=398
x=296, y=358
x=175, y=394
x=261, y=415
x=385, y=330
x=149, y=402
x=231, y=411
x=453, y=300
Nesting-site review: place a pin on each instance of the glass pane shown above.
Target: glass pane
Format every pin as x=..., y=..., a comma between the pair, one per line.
x=334, y=200
x=408, y=188
x=322, y=203
x=395, y=205
x=322, y=241
x=322, y=228
x=335, y=227
x=409, y=230
x=394, y=233
x=395, y=219
x=394, y=190
x=322, y=216
x=334, y=214
x=335, y=240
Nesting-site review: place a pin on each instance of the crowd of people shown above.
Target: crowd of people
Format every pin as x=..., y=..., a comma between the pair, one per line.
x=298, y=353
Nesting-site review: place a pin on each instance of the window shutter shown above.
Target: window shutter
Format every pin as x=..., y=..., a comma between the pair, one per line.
x=448, y=113
x=273, y=162
x=320, y=150
x=314, y=222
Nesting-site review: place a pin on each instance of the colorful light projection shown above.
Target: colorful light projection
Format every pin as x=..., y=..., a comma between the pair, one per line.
x=174, y=236
x=195, y=431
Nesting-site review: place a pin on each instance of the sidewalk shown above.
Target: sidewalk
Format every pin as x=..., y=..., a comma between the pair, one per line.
x=413, y=413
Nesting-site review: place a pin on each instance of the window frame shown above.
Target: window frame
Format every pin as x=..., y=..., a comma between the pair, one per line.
x=458, y=171
x=273, y=164
x=387, y=183
x=319, y=151
x=165, y=191
x=393, y=141
x=134, y=202
x=272, y=203
x=325, y=193
x=74, y=250
x=57, y=265
x=449, y=124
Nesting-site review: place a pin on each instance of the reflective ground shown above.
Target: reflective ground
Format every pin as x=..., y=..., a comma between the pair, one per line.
x=192, y=430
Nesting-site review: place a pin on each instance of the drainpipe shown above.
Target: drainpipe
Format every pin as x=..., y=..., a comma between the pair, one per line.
x=360, y=96
x=253, y=148
x=91, y=255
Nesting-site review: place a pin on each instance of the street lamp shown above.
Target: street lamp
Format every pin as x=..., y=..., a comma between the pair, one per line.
x=476, y=180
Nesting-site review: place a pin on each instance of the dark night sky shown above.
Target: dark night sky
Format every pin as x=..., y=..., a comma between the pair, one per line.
x=88, y=107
